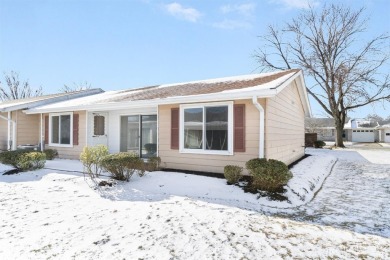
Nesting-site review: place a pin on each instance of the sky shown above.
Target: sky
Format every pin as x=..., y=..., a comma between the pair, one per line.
x=122, y=44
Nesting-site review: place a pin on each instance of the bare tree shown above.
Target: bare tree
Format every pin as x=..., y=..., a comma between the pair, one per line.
x=16, y=89
x=347, y=72
x=76, y=87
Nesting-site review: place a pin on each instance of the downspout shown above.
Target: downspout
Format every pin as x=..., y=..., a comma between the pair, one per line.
x=41, y=139
x=9, y=143
x=261, y=129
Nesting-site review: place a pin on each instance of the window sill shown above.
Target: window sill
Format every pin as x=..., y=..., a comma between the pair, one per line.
x=61, y=145
x=198, y=151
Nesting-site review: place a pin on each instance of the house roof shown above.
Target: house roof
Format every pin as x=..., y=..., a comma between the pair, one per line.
x=319, y=122
x=29, y=103
x=229, y=88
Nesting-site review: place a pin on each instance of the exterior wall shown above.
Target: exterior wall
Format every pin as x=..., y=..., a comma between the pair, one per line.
x=28, y=129
x=3, y=132
x=285, y=127
x=206, y=162
x=73, y=152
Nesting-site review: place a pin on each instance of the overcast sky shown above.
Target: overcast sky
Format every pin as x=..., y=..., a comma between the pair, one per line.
x=122, y=44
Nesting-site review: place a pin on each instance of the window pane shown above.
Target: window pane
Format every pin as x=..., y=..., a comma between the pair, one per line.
x=216, y=128
x=129, y=134
x=55, y=129
x=193, y=128
x=65, y=129
x=98, y=125
x=149, y=136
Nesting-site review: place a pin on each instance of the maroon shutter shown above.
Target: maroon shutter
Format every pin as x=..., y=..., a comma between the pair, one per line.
x=46, y=129
x=175, y=128
x=75, y=129
x=239, y=128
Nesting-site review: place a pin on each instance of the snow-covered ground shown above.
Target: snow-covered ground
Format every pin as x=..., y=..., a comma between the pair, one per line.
x=56, y=214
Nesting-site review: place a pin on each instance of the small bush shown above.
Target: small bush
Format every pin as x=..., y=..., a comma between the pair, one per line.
x=319, y=144
x=122, y=165
x=32, y=161
x=153, y=164
x=268, y=175
x=12, y=157
x=91, y=157
x=256, y=163
x=23, y=160
x=232, y=173
x=50, y=154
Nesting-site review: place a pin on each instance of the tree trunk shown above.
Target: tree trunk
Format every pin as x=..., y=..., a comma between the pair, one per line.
x=339, y=134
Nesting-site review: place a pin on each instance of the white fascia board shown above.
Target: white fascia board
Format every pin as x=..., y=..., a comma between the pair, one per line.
x=221, y=96
x=50, y=100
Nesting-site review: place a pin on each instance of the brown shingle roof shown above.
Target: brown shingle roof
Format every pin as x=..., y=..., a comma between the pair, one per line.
x=197, y=88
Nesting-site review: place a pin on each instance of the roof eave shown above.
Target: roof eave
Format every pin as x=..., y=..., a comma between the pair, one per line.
x=221, y=96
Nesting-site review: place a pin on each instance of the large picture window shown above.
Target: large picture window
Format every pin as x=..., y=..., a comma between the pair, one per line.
x=61, y=129
x=207, y=128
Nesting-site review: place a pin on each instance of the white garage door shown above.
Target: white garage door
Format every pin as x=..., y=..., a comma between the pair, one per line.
x=387, y=136
x=363, y=136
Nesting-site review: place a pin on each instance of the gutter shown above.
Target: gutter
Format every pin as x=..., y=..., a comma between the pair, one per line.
x=261, y=131
x=13, y=140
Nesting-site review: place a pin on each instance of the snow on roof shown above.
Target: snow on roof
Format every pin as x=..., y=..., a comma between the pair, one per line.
x=245, y=83
x=26, y=103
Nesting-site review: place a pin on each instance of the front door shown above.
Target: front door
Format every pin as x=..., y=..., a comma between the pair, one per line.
x=139, y=135
x=98, y=129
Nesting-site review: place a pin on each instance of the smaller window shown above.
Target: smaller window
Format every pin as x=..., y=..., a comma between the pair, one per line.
x=98, y=125
x=388, y=134
x=371, y=131
x=354, y=131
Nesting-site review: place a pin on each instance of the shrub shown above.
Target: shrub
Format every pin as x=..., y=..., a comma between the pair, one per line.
x=122, y=165
x=32, y=161
x=92, y=157
x=12, y=157
x=153, y=164
x=50, y=154
x=23, y=160
x=232, y=173
x=319, y=144
x=256, y=163
x=269, y=175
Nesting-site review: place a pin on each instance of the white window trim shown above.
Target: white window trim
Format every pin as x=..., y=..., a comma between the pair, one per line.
x=229, y=151
x=71, y=129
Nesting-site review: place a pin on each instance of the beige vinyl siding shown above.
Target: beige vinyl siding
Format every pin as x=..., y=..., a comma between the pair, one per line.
x=3, y=131
x=73, y=152
x=205, y=162
x=28, y=130
x=284, y=127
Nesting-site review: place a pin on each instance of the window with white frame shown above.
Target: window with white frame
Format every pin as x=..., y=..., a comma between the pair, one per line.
x=61, y=129
x=207, y=128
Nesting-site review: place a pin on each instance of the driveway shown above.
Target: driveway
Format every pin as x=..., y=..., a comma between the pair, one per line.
x=355, y=196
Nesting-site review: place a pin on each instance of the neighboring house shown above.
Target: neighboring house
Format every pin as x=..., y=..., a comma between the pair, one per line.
x=196, y=126
x=324, y=127
x=361, y=131
x=384, y=133
x=355, y=130
x=18, y=128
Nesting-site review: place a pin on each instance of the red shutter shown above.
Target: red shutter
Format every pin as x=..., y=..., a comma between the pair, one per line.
x=175, y=128
x=75, y=129
x=46, y=129
x=239, y=128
